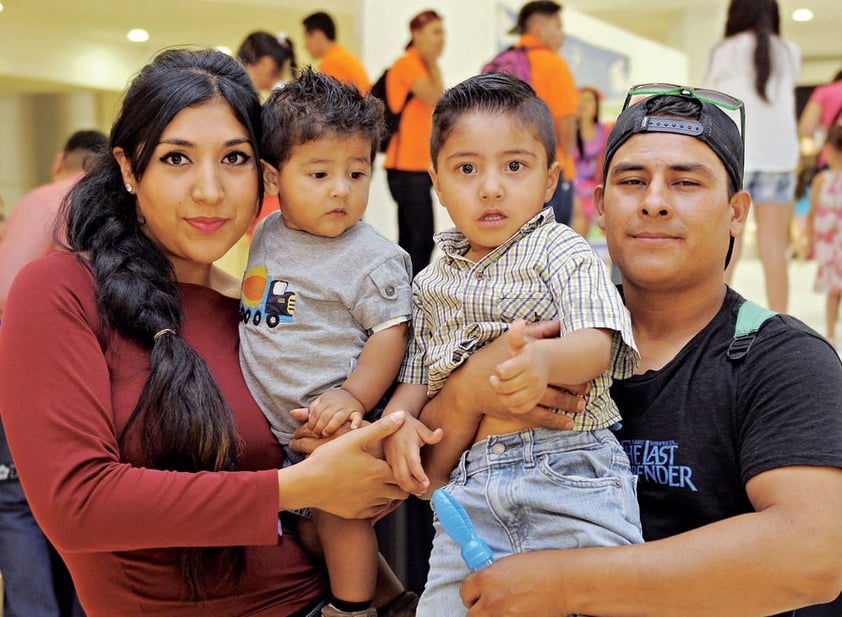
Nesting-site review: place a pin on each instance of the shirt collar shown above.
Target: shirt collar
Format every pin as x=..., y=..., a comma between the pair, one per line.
x=453, y=242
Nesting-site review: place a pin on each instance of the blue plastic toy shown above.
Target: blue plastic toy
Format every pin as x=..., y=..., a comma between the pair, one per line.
x=459, y=526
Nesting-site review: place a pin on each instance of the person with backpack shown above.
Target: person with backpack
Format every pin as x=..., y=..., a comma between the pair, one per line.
x=539, y=63
x=413, y=85
x=737, y=455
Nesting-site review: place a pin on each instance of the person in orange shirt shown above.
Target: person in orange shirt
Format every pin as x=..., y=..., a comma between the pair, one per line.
x=541, y=34
x=336, y=61
x=416, y=73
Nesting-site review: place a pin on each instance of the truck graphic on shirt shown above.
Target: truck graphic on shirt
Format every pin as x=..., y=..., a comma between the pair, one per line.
x=263, y=297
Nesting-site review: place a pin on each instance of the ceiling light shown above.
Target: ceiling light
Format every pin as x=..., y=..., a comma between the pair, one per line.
x=802, y=15
x=1, y=6
x=138, y=35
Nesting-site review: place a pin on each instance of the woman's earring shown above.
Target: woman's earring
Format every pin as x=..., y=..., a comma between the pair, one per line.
x=129, y=187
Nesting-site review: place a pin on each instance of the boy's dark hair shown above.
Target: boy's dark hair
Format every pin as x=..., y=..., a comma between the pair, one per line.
x=320, y=21
x=313, y=106
x=495, y=93
x=537, y=7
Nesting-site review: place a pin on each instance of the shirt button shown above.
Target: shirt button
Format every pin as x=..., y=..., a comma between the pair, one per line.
x=498, y=448
x=390, y=291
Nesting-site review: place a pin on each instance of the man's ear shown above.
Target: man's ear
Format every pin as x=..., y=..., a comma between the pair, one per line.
x=270, y=178
x=125, y=166
x=739, y=207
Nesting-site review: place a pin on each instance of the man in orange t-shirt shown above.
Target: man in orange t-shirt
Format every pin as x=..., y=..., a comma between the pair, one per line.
x=336, y=61
x=541, y=33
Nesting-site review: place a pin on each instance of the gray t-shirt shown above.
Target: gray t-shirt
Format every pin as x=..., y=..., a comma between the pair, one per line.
x=308, y=304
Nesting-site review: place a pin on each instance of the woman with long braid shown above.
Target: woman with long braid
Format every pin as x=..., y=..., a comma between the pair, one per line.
x=144, y=458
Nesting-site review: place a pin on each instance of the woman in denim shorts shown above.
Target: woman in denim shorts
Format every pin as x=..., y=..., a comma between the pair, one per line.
x=752, y=63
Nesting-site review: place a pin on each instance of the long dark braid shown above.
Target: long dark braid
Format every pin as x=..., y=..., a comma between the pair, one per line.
x=182, y=421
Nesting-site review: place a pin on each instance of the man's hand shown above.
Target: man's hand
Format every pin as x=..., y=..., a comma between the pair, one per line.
x=517, y=585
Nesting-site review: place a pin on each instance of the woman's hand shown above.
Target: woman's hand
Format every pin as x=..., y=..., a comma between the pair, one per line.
x=341, y=476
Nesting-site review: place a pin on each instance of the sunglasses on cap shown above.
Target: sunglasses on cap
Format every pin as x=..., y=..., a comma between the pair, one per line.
x=724, y=101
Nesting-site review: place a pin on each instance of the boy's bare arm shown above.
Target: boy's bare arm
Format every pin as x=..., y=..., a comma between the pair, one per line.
x=577, y=357
x=375, y=372
x=377, y=366
x=521, y=380
x=402, y=449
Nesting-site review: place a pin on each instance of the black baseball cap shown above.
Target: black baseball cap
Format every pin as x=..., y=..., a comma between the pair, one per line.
x=712, y=126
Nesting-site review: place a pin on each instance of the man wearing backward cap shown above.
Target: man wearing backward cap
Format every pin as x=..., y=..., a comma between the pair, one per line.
x=737, y=452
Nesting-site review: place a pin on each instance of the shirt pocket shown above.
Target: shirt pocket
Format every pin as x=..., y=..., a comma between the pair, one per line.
x=529, y=307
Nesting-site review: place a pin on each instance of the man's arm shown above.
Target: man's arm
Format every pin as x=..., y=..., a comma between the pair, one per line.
x=468, y=394
x=786, y=554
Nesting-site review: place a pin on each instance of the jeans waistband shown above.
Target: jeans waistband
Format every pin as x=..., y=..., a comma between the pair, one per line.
x=529, y=444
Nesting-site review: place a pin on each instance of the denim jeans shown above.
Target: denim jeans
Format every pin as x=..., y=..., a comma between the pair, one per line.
x=532, y=490
x=411, y=191
x=35, y=579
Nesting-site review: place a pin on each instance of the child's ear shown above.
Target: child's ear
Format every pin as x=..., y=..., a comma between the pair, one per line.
x=435, y=178
x=270, y=178
x=552, y=180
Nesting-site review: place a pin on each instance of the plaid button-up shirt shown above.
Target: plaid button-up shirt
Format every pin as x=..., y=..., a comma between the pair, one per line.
x=545, y=271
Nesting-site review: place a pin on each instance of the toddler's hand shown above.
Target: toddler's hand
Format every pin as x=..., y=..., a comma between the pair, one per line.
x=331, y=410
x=402, y=450
x=521, y=380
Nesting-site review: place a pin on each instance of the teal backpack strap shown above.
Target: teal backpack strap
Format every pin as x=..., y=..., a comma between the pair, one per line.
x=749, y=319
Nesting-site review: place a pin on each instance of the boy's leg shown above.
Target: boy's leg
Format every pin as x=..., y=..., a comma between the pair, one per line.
x=532, y=490
x=350, y=550
x=574, y=489
x=469, y=484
